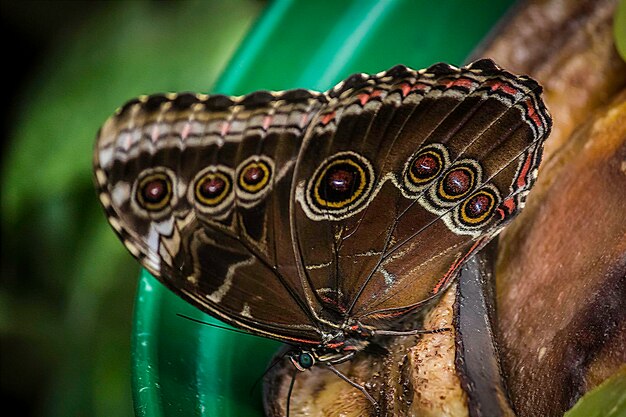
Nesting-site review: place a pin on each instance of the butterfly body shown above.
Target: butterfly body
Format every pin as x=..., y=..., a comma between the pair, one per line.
x=322, y=219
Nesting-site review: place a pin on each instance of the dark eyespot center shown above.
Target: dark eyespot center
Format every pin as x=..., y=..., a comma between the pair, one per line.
x=340, y=183
x=212, y=187
x=253, y=175
x=154, y=191
x=457, y=182
x=340, y=180
x=425, y=166
x=478, y=205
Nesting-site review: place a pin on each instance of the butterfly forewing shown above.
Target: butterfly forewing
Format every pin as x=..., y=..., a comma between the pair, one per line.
x=293, y=214
x=221, y=240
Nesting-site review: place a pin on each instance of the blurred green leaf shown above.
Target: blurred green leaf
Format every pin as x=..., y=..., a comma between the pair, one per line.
x=606, y=400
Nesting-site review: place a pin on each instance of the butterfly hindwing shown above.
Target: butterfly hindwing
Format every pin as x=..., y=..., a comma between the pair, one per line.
x=454, y=155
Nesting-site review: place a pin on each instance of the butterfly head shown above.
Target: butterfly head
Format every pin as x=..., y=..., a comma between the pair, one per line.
x=337, y=348
x=305, y=359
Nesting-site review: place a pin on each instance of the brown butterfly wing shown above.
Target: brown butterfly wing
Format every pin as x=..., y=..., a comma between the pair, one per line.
x=289, y=213
x=416, y=171
x=197, y=187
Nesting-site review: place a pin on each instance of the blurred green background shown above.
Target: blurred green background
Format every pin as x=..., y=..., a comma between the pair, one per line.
x=66, y=298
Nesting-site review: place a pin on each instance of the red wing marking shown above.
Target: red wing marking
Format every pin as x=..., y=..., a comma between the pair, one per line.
x=461, y=82
x=405, y=89
x=532, y=113
x=327, y=118
x=509, y=204
x=444, y=280
x=225, y=128
x=304, y=120
x=185, y=132
x=420, y=86
x=521, y=178
x=293, y=339
x=155, y=133
x=499, y=85
x=365, y=97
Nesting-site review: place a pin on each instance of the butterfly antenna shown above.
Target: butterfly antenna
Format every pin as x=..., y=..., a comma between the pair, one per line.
x=293, y=381
x=269, y=368
x=410, y=332
x=230, y=329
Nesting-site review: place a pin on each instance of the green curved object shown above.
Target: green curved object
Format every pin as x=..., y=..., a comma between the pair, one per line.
x=182, y=368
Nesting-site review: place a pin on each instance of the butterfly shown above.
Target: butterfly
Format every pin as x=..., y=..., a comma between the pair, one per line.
x=322, y=220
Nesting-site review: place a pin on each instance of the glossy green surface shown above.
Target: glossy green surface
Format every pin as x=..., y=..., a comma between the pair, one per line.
x=181, y=368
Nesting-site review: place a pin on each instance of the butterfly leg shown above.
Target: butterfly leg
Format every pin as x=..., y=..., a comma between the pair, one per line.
x=355, y=385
